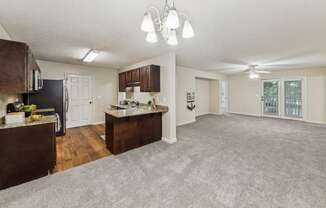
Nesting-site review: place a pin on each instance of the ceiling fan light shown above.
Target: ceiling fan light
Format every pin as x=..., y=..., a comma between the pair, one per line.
x=147, y=25
x=172, y=21
x=188, y=31
x=151, y=37
x=253, y=75
x=173, y=40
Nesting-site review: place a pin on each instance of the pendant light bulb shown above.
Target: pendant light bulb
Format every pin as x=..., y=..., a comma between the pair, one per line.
x=172, y=21
x=151, y=37
x=173, y=40
x=188, y=31
x=147, y=24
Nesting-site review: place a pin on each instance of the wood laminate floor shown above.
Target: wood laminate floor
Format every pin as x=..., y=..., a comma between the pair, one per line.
x=79, y=146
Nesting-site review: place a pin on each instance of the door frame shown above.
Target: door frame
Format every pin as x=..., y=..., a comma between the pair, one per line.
x=66, y=76
x=262, y=95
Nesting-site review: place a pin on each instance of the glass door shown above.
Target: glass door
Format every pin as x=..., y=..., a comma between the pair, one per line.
x=293, y=98
x=271, y=97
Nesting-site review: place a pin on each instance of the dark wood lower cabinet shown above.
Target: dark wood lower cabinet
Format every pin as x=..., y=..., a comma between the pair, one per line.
x=123, y=134
x=26, y=153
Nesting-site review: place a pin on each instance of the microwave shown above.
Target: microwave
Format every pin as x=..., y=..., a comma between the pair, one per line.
x=37, y=80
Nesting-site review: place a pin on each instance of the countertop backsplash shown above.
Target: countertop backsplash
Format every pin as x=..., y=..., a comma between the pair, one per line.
x=4, y=100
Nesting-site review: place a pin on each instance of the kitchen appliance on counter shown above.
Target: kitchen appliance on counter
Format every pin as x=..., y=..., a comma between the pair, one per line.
x=14, y=107
x=52, y=95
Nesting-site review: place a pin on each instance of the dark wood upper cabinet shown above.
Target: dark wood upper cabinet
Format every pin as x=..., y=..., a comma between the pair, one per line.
x=128, y=78
x=147, y=77
x=122, y=82
x=17, y=66
x=150, y=79
x=135, y=76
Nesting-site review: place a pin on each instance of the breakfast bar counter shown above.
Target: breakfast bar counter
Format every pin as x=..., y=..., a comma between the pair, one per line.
x=129, y=128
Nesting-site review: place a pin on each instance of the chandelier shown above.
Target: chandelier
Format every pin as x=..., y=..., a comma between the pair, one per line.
x=166, y=23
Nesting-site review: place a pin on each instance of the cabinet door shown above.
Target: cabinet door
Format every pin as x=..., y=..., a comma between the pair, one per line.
x=37, y=146
x=154, y=78
x=13, y=67
x=122, y=82
x=144, y=79
x=135, y=76
x=125, y=134
x=128, y=78
x=150, y=128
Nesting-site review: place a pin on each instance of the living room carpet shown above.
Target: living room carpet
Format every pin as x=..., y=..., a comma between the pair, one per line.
x=228, y=161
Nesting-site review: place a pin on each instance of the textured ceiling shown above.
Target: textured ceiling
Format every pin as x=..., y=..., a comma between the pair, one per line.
x=230, y=34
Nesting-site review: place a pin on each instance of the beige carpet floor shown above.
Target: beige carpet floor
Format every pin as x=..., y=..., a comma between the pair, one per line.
x=219, y=161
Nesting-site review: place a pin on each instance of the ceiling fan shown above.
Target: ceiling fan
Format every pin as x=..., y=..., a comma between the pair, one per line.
x=254, y=73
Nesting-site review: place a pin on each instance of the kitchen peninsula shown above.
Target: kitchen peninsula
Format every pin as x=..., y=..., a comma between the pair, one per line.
x=127, y=128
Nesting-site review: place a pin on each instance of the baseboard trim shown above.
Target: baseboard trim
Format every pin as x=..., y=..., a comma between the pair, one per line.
x=218, y=114
x=202, y=114
x=245, y=114
x=316, y=122
x=169, y=140
x=98, y=123
x=187, y=122
x=307, y=121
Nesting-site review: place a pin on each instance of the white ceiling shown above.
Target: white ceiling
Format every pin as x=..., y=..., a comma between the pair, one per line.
x=229, y=33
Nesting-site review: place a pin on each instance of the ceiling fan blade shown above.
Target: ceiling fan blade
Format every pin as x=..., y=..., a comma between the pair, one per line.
x=234, y=62
x=263, y=72
x=247, y=70
x=234, y=70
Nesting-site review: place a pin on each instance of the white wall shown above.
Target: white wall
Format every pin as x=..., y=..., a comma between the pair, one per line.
x=4, y=34
x=105, y=83
x=167, y=94
x=5, y=98
x=202, y=96
x=244, y=94
x=214, y=97
x=186, y=83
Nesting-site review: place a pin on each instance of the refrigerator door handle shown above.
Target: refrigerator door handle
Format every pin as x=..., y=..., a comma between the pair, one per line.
x=67, y=100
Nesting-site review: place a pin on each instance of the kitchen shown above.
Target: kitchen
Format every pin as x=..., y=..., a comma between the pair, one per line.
x=49, y=96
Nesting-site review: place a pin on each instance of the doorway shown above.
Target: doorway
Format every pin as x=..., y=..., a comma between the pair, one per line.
x=80, y=101
x=282, y=98
x=271, y=98
x=293, y=99
x=207, y=96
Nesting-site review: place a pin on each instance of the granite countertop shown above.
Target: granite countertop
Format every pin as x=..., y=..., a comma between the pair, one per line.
x=44, y=120
x=127, y=111
x=44, y=110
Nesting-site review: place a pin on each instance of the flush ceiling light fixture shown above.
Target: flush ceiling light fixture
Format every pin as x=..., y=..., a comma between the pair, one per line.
x=90, y=56
x=166, y=23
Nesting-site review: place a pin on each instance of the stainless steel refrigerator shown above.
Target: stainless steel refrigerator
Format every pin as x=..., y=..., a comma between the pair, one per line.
x=54, y=94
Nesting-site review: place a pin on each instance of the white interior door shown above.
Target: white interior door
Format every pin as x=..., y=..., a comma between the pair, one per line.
x=80, y=100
